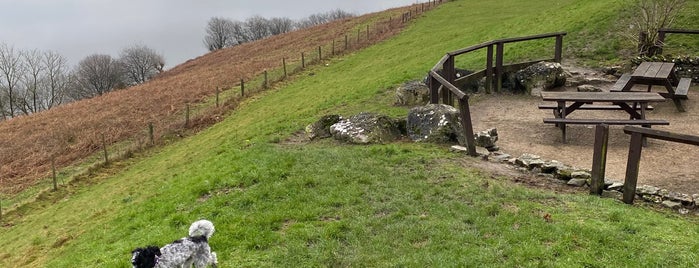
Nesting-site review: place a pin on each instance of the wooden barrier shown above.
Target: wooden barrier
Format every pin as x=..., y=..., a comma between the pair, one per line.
x=638, y=134
x=448, y=83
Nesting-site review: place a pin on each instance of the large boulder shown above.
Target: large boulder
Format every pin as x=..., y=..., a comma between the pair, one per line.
x=539, y=77
x=412, y=93
x=365, y=128
x=321, y=128
x=435, y=123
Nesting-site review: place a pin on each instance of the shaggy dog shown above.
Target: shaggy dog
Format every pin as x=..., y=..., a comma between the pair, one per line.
x=191, y=250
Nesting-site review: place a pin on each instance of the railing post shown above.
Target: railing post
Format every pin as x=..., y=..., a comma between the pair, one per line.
x=467, y=126
x=632, y=166
x=599, y=159
x=489, y=70
x=500, y=48
x=559, y=49
x=660, y=42
x=449, y=73
x=434, y=89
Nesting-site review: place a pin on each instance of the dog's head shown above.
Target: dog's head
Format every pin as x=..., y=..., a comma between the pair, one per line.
x=145, y=257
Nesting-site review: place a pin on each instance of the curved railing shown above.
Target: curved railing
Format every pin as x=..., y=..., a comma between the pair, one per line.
x=448, y=84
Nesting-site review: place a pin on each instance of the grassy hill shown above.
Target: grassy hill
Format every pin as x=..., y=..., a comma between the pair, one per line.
x=277, y=203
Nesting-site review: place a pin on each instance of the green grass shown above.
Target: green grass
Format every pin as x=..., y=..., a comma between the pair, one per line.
x=328, y=204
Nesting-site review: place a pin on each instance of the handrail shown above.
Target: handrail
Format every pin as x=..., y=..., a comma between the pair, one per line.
x=493, y=75
x=661, y=37
x=638, y=135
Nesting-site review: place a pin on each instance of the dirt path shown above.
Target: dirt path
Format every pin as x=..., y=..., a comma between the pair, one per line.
x=664, y=164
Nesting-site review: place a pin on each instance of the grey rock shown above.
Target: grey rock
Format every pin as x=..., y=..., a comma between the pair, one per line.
x=412, y=93
x=671, y=204
x=366, y=128
x=647, y=190
x=540, y=77
x=321, y=128
x=577, y=182
x=437, y=123
x=589, y=88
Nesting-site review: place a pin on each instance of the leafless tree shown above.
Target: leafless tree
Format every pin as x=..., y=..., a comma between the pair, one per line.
x=257, y=27
x=240, y=33
x=56, y=79
x=219, y=33
x=140, y=63
x=28, y=100
x=650, y=16
x=280, y=25
x=95, y=75
x=11, y=70
x=321, y=18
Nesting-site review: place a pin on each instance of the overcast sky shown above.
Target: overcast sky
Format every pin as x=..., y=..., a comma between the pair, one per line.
x=174, y=28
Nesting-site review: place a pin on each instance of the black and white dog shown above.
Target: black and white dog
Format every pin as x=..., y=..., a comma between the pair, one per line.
x=191, y=250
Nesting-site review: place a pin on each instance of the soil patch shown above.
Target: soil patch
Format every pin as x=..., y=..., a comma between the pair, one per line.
x=521, y=130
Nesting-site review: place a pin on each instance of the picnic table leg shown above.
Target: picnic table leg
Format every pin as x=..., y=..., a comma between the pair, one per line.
x=562, y=126
x=599, y=159
x=632, y=166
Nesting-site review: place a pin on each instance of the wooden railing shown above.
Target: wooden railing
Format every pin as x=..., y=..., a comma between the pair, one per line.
x=660, y=42
x=638, y=134
x=449, y=84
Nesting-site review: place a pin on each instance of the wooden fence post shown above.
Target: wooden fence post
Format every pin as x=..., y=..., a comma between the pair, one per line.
x=150, y=134
x=358, y=33
x=0, y=209
x=499, y=54
x=599, y=159
x=489, y=70
x=53, y=173
x=303, y=61
x=367, y=32
x=449, y=73
x=558, y=55
x=217, y=97
x=346, y=43
x=186, y=117
x=104, y=148
x=320, y=53
x=333, y=48
x=242, y=88
x=467, y=126
x=632, y=167
x=284, y=64
x=266, y=85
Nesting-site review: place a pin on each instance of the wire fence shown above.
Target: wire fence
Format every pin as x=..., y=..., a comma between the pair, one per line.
x=196, y=116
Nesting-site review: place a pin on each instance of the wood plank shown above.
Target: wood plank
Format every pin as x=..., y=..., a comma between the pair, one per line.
x=653, y=70
x=663, y=135
x=666, y=69
x=602, y=96
x=641, y=69
x=605, y=121
x=683, y=87
x=592, y=107
x=621, y=83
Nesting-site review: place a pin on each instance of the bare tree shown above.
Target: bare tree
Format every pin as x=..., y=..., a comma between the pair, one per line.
x=257, y=28
x=650, y=16
x=219, y=33
x=56, y=79
x=321, y=18
x=140, y=64
x=280, y=25
x=95, y=75
x=28, y=101
x=11, y=70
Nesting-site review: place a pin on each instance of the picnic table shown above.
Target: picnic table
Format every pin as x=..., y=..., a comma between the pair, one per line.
x=657, y=74
x=633, y=103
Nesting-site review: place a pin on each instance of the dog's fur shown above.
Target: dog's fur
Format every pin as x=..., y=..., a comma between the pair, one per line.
x=191, y=250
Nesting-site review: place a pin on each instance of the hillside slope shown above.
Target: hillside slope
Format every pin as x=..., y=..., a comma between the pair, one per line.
x=71, y=132
x=325, y=204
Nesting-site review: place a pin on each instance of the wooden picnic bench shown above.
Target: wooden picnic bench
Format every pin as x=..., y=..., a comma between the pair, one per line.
x=657, y=74
x=633, y=103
